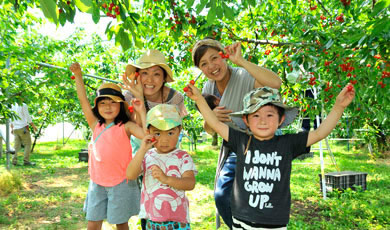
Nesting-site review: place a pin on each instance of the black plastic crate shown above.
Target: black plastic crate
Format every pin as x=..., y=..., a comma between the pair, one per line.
x=343, y=180
x=83, y=155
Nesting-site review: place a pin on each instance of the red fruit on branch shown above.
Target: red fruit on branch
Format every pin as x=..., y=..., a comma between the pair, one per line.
x=226, y=56
x=350, y=88
x=60, y=11
x=340, y=18
x=72, y=77
x=377, y=56
x=185, y=89
x=68, y=2
x=368, y=65
x=192, y=82
x=313, y=8
x=112, y=5
x=131, y=109
x=267, y=52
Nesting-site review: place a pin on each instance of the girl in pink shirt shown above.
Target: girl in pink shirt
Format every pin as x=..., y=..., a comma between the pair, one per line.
x=109, y=196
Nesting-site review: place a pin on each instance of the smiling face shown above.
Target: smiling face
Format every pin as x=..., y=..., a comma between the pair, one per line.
x=152, y=79
x=264, y=122
x=108, y=109
x=213, y=65
x=166, y=140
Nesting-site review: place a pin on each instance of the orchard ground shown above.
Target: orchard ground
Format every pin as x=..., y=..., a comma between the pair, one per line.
x=51, y=194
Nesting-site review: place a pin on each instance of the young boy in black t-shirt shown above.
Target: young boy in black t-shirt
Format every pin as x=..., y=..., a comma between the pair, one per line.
x=261, y=191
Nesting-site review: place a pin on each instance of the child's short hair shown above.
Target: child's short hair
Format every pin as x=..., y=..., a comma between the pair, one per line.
x=211, y=101
x=163, y=117
x=113, y=92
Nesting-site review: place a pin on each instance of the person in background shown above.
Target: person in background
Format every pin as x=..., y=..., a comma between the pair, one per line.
x=20, y=128
x=230, y=84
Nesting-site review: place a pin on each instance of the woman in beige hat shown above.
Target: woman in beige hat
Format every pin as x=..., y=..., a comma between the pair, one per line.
x=230, y=84
x=146, y=80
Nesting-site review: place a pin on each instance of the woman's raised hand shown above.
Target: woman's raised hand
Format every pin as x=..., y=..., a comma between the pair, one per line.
x=234, y=51
x=133, y=84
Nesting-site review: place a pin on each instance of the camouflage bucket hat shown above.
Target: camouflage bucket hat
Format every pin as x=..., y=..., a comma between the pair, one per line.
x=163, y=117
x=259, y=97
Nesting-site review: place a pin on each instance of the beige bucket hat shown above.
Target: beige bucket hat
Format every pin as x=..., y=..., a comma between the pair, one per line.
x=148, y=59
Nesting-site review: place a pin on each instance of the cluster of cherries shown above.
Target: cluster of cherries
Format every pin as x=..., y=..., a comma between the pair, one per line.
x=116, y=9
x=223, y=55
x=340, y=18
x=185, y=89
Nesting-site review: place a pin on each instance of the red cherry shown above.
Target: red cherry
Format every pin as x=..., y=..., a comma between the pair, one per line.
x=185, y=89
x=136, y=74
x=192, y=82
x=112, y=5
x=350, y=88
x=227, y=56
x=131, y=109
x=153, y=139
x=72, y=77
x=221, y=54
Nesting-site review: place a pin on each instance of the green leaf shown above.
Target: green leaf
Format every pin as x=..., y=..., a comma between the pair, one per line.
x=219, y=11
x=294, y=2
x=49, y=9
x=127, y=3
x=123, y=39
x=361, y=40
x=96, y=14
x=379, y=6
x=189, y=3
x=380, y=27
x=329, y=44
x=211, y=15
x=229, y=13
x=62, y=18
x=252, y=3
x=201, y=6
x=85, y=5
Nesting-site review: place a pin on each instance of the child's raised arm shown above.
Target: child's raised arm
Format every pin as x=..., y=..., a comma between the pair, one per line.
x=82, y=95
x=344, y=98
x=138, y=129
x=134, y=168
x=208, y=115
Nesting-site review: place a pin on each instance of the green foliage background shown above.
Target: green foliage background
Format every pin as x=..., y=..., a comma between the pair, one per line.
x=324, y=44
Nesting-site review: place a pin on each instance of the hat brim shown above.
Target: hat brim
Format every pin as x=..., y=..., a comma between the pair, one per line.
x=131, y=68
x=162, y=124
x=290, y=113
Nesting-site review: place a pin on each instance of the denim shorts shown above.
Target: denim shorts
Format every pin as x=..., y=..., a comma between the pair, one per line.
x=166, y=225
x=116, y=204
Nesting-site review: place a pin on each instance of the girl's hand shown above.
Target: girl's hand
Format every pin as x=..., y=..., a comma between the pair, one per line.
x=193, y=92
x=346, y=96
x=76, y=69
x=133, y=85
x=234, y=52
x=147, y=142
x=138, y=105
x=158, y=174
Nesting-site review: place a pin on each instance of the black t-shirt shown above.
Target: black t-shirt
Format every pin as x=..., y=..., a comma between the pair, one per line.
x=261, y=189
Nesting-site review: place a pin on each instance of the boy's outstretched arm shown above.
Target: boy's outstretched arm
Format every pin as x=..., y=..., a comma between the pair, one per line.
x=344, y=98
x=208, y=115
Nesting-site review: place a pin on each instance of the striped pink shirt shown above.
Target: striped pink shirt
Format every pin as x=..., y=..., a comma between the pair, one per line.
x=109, y=156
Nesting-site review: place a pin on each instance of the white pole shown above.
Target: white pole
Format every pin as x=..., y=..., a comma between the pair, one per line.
x=321, y=152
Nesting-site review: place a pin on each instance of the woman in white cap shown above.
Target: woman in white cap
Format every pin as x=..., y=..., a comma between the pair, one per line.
x=146, y=80
x=230, y=84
